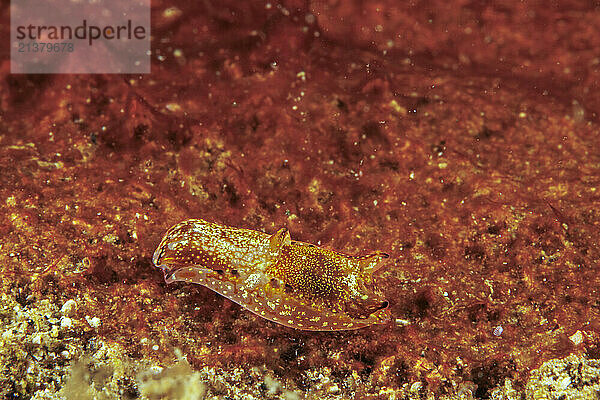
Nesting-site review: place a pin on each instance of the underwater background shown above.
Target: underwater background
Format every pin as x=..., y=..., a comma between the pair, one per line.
x=461, y=138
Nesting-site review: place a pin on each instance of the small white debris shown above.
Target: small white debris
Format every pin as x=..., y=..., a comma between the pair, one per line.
x=498, y=331
x=93, y=321
x=565, y=382
x=273, y=386
x=576, y=338
x=69, y=307
x=66, y=323
x=333, y=389
x=415, y=387
x=7, y=334
x=54, y=331
x=402, y=322
x=36, y=339
x=173, y=107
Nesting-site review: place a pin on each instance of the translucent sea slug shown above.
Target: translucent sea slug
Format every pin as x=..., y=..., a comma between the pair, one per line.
x=292, y=283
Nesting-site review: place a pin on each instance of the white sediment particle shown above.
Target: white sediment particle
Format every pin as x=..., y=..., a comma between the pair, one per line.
x=93, y=321
x=66, y=323
x=576, y=338
x=564, y=383
x=69, y=306
x=36, y=338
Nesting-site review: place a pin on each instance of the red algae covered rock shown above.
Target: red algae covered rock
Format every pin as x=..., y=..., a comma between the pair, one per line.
x=459, y=138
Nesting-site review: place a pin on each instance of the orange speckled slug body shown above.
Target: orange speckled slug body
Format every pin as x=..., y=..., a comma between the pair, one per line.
x=295, y=284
